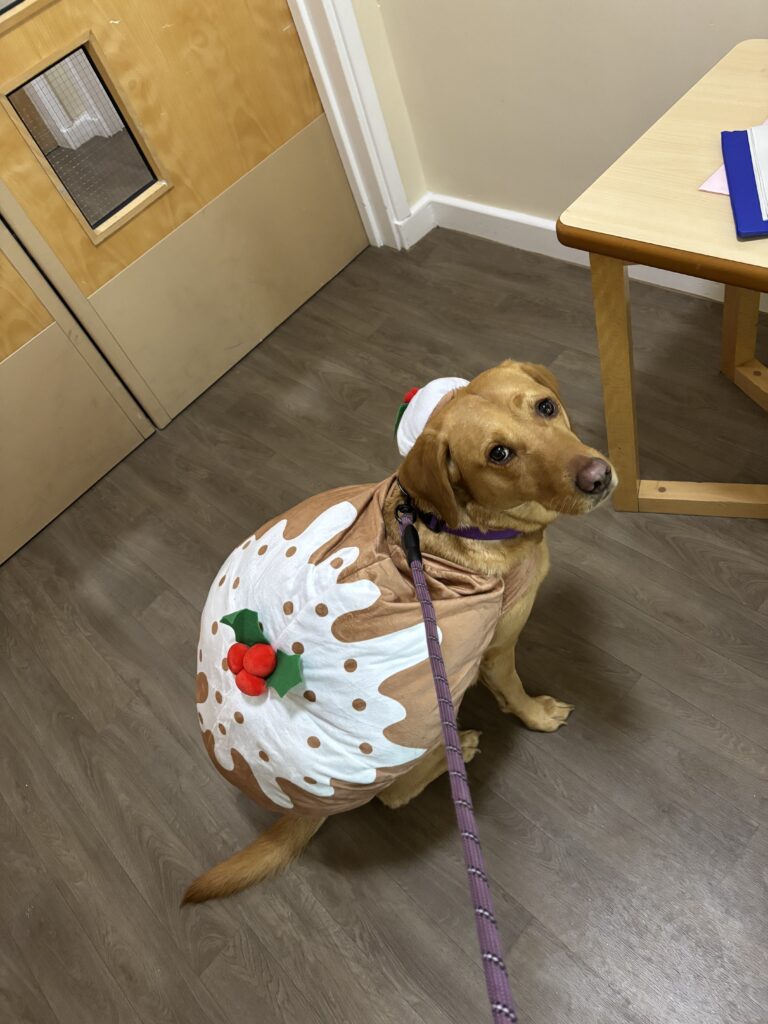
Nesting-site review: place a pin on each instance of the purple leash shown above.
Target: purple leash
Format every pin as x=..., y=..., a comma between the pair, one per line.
x=496, y=979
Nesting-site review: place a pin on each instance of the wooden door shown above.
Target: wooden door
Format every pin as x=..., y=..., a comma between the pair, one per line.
x=216, y=201
x=65, y=418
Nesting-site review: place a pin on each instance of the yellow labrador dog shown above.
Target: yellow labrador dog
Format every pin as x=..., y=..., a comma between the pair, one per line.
x=314, y=691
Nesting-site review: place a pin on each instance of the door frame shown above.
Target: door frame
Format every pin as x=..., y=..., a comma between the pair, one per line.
x=44, y=259
x=330, y=35
x=20, y=259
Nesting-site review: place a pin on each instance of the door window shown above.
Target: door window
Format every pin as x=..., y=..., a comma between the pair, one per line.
x=79, y=130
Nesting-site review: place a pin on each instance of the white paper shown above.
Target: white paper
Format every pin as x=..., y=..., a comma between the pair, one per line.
x=758, y=147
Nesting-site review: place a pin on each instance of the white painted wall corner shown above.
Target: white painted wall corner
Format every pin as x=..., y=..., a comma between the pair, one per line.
x=331, y=38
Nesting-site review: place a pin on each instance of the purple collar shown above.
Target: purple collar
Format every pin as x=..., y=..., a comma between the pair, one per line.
x=438, y=525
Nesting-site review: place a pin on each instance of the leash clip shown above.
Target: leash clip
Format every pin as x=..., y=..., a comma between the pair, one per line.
x=405, y=514
x=411, y=545
x=404, y=509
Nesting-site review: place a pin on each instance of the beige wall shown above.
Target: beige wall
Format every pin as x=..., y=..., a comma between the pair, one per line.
x=522, y=103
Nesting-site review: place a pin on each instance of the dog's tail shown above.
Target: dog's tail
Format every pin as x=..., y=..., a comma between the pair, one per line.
x=266, y=856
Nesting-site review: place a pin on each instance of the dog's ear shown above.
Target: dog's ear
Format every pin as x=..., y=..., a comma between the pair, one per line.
x=424, y=474
x=542, y=375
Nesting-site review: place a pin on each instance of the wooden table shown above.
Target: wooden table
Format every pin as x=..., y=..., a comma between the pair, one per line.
x=647, y=209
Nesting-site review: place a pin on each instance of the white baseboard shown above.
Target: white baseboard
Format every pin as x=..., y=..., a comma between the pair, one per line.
x=533, y=234
x=419, y=223
x=510, y=227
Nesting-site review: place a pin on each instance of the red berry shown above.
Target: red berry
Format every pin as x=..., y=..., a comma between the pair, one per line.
x=252, y=686
x=235, y=656
x=260, y=660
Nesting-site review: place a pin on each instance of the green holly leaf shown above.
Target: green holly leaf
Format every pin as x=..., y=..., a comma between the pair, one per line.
x=400, y=413
x=246, y=626
x=287, y=674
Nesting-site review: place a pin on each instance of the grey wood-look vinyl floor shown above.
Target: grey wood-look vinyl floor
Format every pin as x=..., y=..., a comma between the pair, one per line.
x=628, y=852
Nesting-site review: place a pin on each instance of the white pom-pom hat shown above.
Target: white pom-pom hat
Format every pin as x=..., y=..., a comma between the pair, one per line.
x=418, y=405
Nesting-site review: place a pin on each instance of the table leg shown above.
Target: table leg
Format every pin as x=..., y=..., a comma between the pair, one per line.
x=740, y=312
x=610, y=287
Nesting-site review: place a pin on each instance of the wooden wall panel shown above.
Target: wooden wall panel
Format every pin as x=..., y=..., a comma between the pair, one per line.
x=22, y=315
x=212, y=88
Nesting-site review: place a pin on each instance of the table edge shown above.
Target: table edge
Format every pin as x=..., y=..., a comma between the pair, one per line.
x=742, y=275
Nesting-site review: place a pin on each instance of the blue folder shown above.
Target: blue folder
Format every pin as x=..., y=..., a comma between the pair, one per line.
x=741, y=184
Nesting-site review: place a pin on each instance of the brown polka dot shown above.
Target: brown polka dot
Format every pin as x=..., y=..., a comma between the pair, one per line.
x=199, y=655
x=263, y=755
x=311, y=696
x=239, y=717
x=321, y=609
x=201, y=688
x=288, y=607
x=221, y=581
x=200, y=717
x=214, y=628
x=224, y=664
x=217, y=697
x=310, y=780
x=366, y=748
x=336, y=563
x=236, y=583
x=290, y=552
x=222, y=730
x=359, y=704
x=313, y=742
x=297, y=648
x=246, y=543
x=263, y=549
x=350, y=665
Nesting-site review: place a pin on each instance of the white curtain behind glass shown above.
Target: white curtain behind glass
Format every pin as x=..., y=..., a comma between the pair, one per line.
x=73, y=103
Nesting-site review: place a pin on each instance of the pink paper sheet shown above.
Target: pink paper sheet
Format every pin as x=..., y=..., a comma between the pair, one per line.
x=718, y=182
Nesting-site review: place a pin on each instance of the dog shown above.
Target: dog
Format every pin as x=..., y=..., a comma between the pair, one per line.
x=314, y=691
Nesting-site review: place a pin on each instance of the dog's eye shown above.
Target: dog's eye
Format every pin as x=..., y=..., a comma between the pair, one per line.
x=546, y=407
x=500, y=454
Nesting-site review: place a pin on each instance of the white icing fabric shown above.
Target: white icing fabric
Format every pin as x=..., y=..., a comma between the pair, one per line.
x=324, y=738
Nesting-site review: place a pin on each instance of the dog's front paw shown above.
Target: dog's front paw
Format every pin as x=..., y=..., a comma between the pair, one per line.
x=470, y=744
x=544, y=714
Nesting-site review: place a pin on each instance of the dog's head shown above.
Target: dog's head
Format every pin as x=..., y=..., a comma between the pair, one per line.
x=503, y=444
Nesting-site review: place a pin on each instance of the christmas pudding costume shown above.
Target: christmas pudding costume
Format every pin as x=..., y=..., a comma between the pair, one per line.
x=314, y=689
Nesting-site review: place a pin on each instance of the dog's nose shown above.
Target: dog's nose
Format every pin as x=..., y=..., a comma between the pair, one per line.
x=594, y=477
